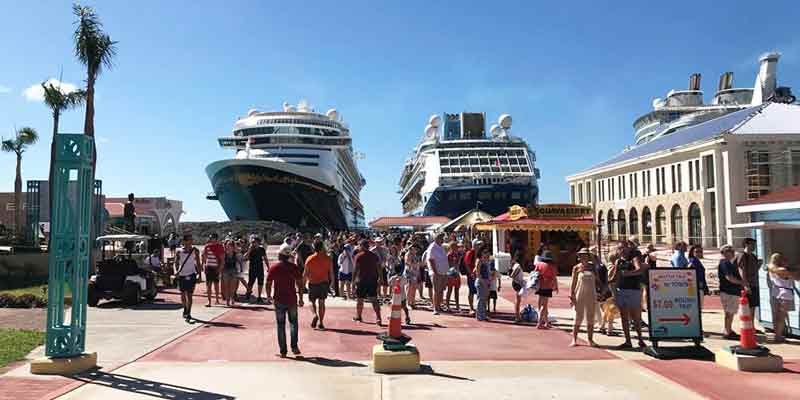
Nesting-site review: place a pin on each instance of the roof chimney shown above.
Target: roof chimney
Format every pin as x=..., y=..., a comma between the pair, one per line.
x=694, y=82
x=725, y=81
x=766, y=79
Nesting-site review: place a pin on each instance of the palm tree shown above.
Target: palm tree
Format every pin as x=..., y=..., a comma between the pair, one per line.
x=58, y=102
x=24, y=137
x=95, y=50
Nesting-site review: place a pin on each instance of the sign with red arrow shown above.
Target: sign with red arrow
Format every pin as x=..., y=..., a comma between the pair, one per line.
x=673, y=304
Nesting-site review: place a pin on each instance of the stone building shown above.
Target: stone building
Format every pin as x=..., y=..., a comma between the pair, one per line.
x=153, y=214
x=685, y=185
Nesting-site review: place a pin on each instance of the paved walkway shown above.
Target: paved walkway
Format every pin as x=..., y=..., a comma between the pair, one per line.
x=149, y=352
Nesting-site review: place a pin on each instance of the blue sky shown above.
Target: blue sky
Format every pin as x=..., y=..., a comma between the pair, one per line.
x=573, y=76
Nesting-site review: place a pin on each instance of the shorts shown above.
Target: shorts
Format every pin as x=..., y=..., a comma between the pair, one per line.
x=186, y=283
x=439, y=282
x=255, y=274
x=212, y=275
x=367, y=290
x=229, y=274
x=730, y=303
x=629, y=299
x=453, y=282
x=782, y=305
x=318, y=291
x=545, y=292
x=516, y=286
x=471, y=285
x=493, y=295
x=345, y=277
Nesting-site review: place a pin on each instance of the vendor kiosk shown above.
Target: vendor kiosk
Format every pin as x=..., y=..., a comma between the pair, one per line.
x=775, y=225
x=561, y=228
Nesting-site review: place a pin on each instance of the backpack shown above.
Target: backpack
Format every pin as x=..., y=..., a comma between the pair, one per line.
x=534, y=281
x=529, y=314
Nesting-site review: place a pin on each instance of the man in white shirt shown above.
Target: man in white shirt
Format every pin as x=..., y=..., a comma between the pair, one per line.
x=436, y=259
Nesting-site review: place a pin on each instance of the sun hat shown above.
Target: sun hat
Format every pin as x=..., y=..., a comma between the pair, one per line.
x=547, y=256
x=584, y=251
x=285, y=250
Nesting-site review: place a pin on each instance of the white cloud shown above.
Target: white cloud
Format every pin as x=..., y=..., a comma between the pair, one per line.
x=36, y=92
x=102, y=139
x=4, y=89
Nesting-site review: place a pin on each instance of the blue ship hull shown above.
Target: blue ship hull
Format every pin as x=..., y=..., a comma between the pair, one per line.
x=452, y=201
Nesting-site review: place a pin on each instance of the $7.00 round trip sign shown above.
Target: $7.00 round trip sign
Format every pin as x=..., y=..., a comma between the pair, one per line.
x=674, y=309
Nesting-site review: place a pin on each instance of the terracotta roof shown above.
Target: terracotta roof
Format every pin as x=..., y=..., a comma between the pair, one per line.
x=385, y=222
x=790, y=193
x=115, y=209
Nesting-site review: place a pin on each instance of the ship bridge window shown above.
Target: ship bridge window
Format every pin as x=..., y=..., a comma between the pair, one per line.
x=452, y=196
x=500, y=195
x=484, y=195
x=516, y=195
x=465, y=195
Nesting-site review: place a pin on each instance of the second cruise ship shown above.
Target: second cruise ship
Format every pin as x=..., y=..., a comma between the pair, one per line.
x=457, y=167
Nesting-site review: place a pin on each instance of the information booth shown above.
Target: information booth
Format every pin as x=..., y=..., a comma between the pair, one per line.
x=561, y=228
x=775, y=225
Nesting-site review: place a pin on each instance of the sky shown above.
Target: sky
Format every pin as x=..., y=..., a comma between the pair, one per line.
x=573, y=75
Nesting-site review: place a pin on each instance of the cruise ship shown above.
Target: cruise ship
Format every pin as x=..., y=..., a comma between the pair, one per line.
x=296, y=166
x=684, y=108
x=457, y=167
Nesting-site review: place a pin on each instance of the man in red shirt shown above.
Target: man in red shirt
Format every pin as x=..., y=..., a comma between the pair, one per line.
x=288, y=283
x=365, y=277
x=213, y=254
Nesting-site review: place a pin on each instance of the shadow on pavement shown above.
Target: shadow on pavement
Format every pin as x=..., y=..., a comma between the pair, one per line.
x=426, y=369
x=217, y=324
x=250, y=308
x=158, y=304
x=357, y=332
x=328, y=362
x=145, y=387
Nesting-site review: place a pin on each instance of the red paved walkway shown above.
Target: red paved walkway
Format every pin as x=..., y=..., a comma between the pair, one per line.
x=250, y=335
x=716, y=382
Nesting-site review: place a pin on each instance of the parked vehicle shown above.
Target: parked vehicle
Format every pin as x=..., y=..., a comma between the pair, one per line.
x=120, y=273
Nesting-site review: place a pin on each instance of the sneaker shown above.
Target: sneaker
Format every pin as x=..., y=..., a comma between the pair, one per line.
x=296, y=351
x=436, y=313
x=624, y=346
x=314, y=322
x=321, y=326
x=731, y=336
x=408, y=321
x=259, y=301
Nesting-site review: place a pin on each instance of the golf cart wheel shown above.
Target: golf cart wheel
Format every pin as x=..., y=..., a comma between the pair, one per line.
x=92, y=298
x=132, y=293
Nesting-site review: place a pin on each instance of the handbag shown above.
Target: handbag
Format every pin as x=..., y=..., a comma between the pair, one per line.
x=183, y=264
x=534, y=281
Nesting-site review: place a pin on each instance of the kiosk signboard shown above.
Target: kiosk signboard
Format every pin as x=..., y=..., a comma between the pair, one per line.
x=673, y=304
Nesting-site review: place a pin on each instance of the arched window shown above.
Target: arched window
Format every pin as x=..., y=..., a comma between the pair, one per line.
x=621, y=224
x=676, y=216
x=661, y=220
x=611, y=231
x=695, y=228
x=633, y=221
x=647, y=225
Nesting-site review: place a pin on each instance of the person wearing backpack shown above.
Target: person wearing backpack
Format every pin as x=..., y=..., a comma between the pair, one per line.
x=187, y=266
x=346, y=269
x=517, y=283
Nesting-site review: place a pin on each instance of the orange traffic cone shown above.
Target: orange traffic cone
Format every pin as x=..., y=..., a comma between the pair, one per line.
x=395, y=330
x=747, y=330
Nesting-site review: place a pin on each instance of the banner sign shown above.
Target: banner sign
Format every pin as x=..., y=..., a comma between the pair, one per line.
x=673, y=304
x=559, y=211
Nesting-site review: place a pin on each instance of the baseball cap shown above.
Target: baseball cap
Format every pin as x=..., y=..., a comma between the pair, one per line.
x=285, y=250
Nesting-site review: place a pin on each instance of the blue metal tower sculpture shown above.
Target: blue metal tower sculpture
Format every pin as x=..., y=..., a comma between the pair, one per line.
x=70, y=244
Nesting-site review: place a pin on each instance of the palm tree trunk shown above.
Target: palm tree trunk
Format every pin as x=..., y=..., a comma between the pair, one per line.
x=18, y=198
x=56, y=115
x=88, y=123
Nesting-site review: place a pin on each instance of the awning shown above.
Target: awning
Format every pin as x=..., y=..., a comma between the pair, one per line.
x=466, y=220
x=765, y=225
x=536, y=224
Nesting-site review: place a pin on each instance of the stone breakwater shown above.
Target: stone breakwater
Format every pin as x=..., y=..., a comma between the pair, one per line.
x=271, y=232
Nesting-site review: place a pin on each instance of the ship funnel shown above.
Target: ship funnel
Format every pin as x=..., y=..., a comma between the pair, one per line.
x=725, y=81
x=694, y=81
x=766, y=80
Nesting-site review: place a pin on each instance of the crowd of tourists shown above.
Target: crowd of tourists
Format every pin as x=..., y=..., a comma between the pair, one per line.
x=367, y=269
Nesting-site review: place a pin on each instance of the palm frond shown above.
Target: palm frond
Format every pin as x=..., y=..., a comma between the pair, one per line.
x=9, y=145
x=93, y=47
x=27, y=135
x=75, y=99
